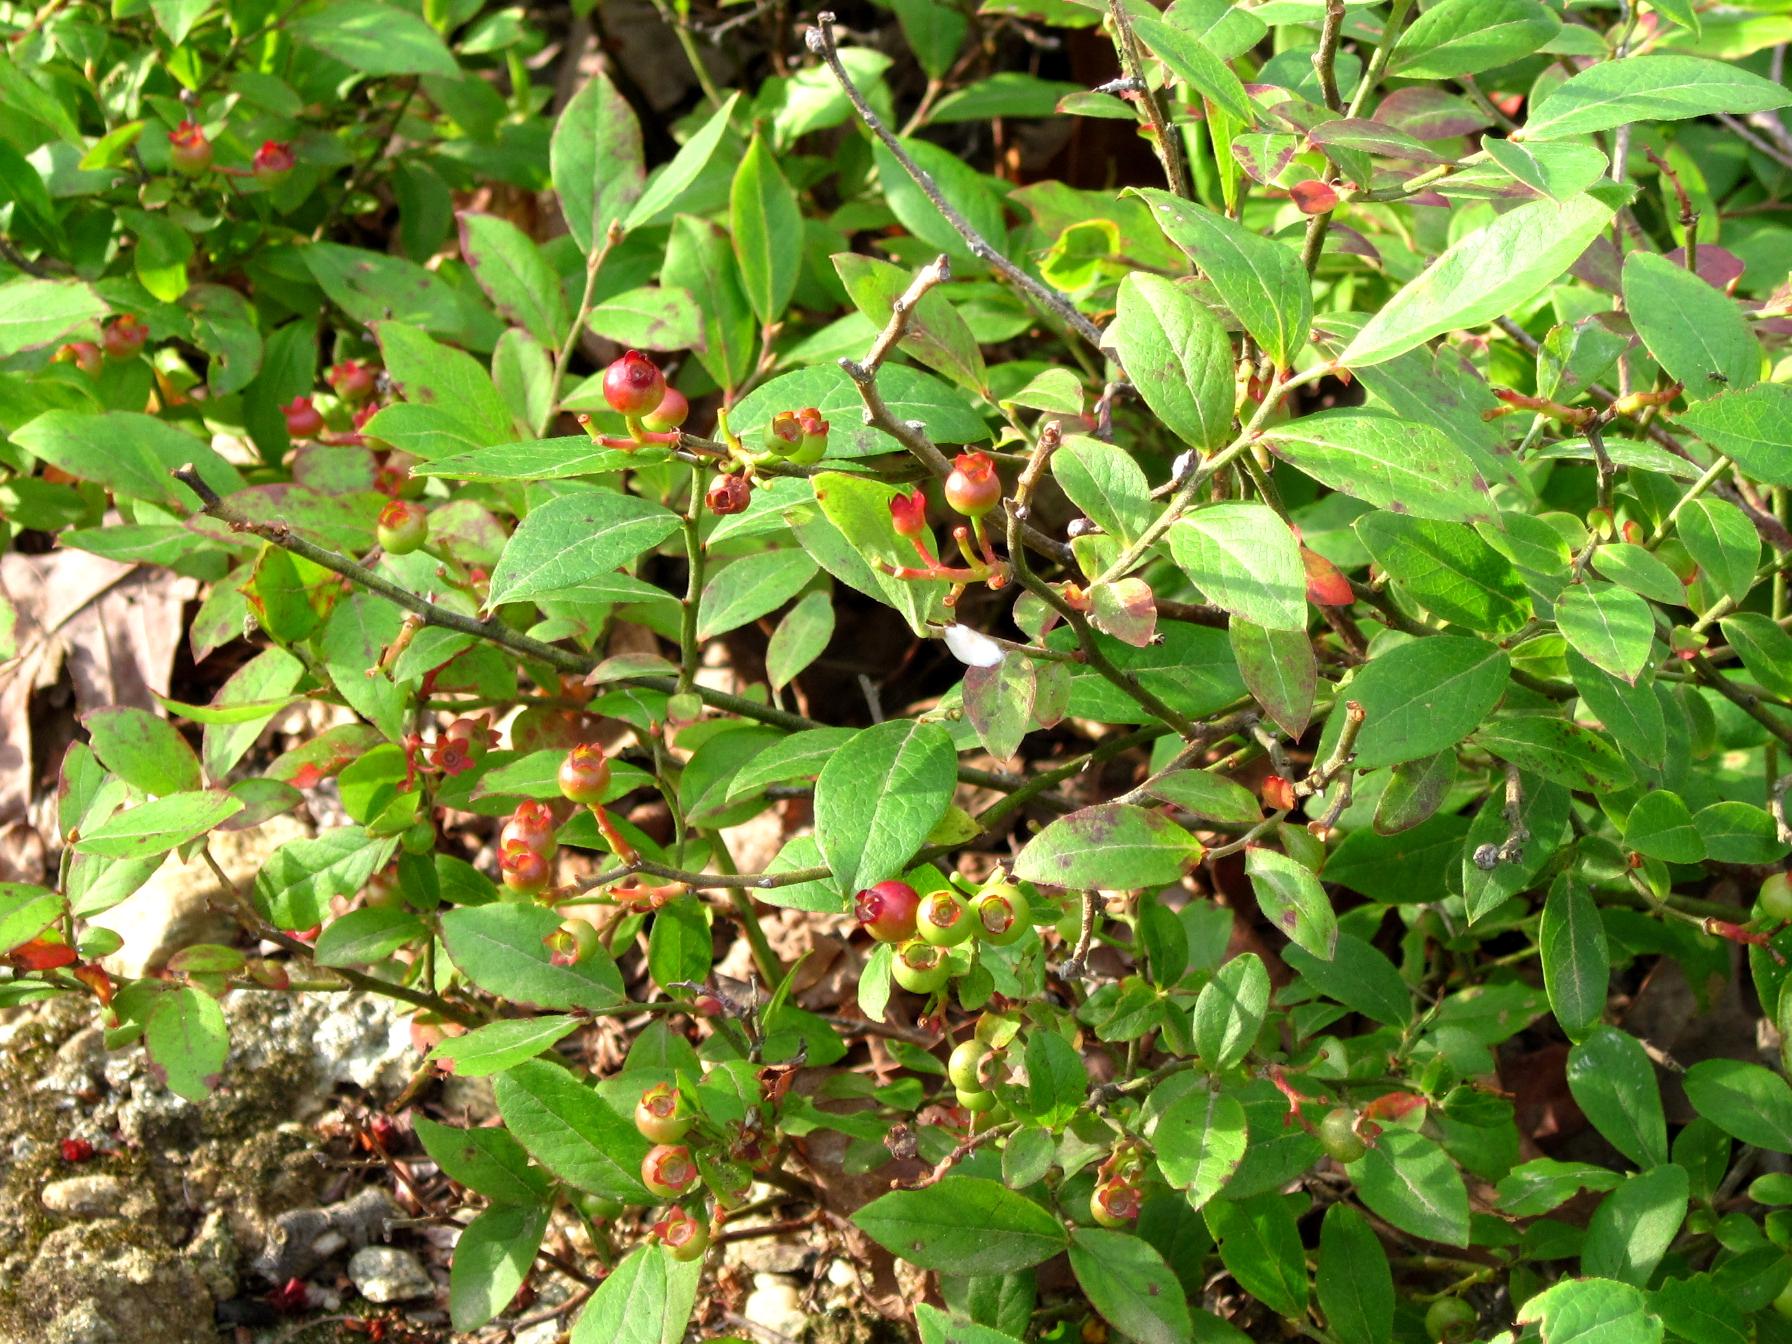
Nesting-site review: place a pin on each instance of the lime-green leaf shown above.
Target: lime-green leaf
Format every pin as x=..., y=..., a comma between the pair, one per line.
x=1111, y=846
x=1386, y=461
x=878, y=798
x=1245, y=559
x=1649, y=88
x=1177, y=355
x=1694, y=330
x=963, y=1225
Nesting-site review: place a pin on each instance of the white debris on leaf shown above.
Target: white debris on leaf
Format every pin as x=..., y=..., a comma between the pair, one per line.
x=971, y=648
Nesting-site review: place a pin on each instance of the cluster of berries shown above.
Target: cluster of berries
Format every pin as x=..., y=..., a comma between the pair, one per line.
x=669, y=1171
x=924, y=929
x=973, y=489
x=190, y=155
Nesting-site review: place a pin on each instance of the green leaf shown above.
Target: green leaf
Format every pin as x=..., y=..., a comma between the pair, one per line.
x=187, y=1040
x=1385, y=461
x=963, y=1225
x=1641, y=571
x=364, y=936
x=1765, y=649
x=910, y=394
x=1410, y=1181
x=499, y=948
x=652, y=317
x=1200, y=1140
x=1111, y=846
x=25, y=912
x=500, y=1045
x=373, y=287
x=446, y=380
x=1261, y=1248
x=572, y=1131
x=647, y=1299
x=1744, y=1100
x=965, y=189
x=671, y=182
x=750, y=587
x=1106, y=484
x=1208, y=795
x=127, y=452
x=1739, y=833
x=1465, y=37
x=1660, y=826
x=1576, y=962
x=1648, y=88
x=1695, y=331
x=1613, y=1082
x=880, y=796
x=576, y=538
x=1558, y=171
x=1611, y=627
x=1279, y=669
x=1245, y=559
x=491, y=1259
x=374, y=38
x=484, y=1159
x=1635, y=1224
x=1189, y=59
x=143, y=750
x=1719, y=536
x=1449, y=570
x=1292, y=900
x=1229, y=1011
x=935, y=334
x=515, y=276
x=1353, y=1280
x=766, y=226
x=1261, y=281
x=595, y=160
x=158, y=826
x=1127, y=1281
x=801, y=637
x=1177, y=356
x=999, y=702
x=679, y=944
x=1751, y=426
x=1565, y=752
x=1357, y=976
x=35, y=313
x=1483, y=275
x=1422, y=697
x=298, y=881
x=1591, y=1311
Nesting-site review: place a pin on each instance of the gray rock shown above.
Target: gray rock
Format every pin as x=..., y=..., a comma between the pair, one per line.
x=385, y=1274
x=86, y=1196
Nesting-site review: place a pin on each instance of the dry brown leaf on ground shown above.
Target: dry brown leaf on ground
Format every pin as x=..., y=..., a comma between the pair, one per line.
x=112, y=630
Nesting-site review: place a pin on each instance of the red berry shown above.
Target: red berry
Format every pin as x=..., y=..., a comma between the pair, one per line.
x=1115, y=1203
x=660, y=1115
x=190, y=153
x=272, y=161
x=84, y=355
x=684, y=1237
x=403, y=527
x=908, y=514
x=351, y=380
x=667, y=1170
x=303, y=420
x=75, y=1150
x=887, y=911
x=531, y=826
x=585, y=774
x=729, y=494
x=124, y=336
x=523, y=869
x=973, y=487
x=669, y=414
x=290, y=1298
x=634, y=385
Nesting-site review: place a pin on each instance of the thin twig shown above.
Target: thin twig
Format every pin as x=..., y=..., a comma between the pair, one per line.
x=821, y=41
x=1151, y=101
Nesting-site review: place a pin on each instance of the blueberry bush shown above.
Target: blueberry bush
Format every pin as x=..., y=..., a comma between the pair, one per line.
x=1239, y=552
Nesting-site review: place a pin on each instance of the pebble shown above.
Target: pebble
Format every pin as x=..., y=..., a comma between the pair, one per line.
x=86, y=1196
x=382, y=1274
